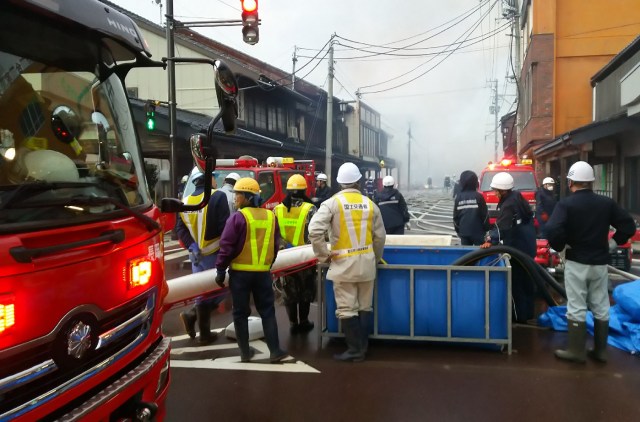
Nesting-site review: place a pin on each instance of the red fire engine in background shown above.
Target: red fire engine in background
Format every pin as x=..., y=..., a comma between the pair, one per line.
x=272, y=175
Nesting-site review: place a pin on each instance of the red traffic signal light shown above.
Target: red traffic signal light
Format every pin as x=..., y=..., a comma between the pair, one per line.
x=250, y=21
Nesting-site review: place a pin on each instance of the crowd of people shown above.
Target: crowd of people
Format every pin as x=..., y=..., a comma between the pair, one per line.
x=232, y=233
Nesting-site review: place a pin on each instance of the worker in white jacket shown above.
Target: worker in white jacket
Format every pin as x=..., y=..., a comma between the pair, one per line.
x=357, y=236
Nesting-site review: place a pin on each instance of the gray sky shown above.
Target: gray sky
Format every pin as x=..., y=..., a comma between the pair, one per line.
x=447, y=107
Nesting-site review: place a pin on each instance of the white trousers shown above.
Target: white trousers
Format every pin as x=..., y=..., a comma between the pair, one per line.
x=352, y=298
x=586, y=287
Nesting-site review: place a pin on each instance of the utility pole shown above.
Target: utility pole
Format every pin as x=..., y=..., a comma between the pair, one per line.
x=409, y=159
x=294, y=59
x=516, y=76
x=171, y=68
x=495, y=109
x=329, y=142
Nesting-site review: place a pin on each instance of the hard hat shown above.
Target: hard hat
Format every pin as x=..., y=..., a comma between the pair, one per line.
x=348, y=173
x=581, y=172
x=388, y=181
x=45, y=165
x=548, y=181
x=296, y=182
x=184, y=179
x=322, y=177
x=235, y=176
x=502, y=181
x=247, y=184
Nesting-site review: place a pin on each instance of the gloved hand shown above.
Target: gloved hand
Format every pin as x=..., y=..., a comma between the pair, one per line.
x=485, y=245
x=194, y=254
x=613, y=245
x=220, y=278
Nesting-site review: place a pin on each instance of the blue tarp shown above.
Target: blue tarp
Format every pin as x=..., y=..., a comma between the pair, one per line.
x=624, y=318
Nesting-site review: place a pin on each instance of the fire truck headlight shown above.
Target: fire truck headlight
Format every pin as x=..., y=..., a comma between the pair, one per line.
x=7, y=312
x=139, y=272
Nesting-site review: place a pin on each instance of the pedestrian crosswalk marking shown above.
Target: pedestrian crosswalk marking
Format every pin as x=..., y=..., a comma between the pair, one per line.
x=233, y=362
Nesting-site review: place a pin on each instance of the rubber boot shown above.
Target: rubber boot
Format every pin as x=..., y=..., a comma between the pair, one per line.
x=303, y=311
x=241, y=327
x=600, y=336
x=270, y=328
x=204, y=324
x=353, y=337
x=364, y=327
x=292, y=313
x=577, y=342
x=189, y=321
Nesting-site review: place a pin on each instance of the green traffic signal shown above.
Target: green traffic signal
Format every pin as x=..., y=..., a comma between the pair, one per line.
x=151, y=123
x=150, y=111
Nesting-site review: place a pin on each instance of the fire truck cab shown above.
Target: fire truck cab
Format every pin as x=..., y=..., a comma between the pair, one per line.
x=272, y=175
x=524, y=179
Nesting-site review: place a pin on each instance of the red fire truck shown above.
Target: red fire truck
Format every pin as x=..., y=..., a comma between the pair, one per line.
x=82, y=279
x=272, y=175
x=524, y=179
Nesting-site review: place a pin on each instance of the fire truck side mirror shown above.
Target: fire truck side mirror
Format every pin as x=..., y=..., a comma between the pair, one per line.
x=227, y=94
x=171, y=205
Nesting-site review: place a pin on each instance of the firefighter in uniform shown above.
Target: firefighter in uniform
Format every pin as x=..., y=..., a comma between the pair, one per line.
x=514, y=227
x=357, y=236
x=248, y=246
x=199, y=231
x=299, y=289
x=393, y=207
x=323, y=191
x=581, y=222
x=545, y=203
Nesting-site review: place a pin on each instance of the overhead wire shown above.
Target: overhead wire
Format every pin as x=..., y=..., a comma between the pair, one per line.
x=469, y=32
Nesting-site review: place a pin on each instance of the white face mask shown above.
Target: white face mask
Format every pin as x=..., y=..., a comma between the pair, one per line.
x=549, y=187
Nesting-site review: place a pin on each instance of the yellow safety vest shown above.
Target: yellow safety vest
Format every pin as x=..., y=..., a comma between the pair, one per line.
x=293, y=222
x=196, y=223
x=257, y=252
x=356, y=225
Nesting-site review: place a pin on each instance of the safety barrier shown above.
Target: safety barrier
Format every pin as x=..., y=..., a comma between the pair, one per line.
x=418, y=297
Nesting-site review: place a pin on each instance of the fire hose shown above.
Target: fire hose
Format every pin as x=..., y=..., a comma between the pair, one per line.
x=537, y=275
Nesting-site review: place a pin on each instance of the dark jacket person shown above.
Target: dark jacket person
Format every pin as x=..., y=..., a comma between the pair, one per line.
x=393, y=207
x=470, y=215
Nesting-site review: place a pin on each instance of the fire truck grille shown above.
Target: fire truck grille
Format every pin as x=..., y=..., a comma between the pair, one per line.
x=37, y=374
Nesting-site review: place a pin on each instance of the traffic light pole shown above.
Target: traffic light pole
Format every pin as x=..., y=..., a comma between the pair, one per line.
x=171, y=68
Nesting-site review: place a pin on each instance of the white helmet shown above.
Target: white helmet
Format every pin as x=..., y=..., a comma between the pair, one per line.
x=548, y=181
x=235, y=176
x=581, y=172
x=322, y=177
x=388, y=181
x=348, y=173
x=502, y=181
x=46, y=165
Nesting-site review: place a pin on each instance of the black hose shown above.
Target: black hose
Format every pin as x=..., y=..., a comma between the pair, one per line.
x=537, y=274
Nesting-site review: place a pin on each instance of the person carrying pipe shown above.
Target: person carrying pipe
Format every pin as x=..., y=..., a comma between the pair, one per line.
x=199, y=231
x=357, y=236
x=248, y=246
x=298, y=289
x=580, y=222
x=514, y=227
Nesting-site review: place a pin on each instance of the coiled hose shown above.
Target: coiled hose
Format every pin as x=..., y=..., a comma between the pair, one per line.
x=538, y=275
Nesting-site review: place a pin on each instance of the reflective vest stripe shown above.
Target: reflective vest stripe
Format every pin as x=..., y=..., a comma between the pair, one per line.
x=257, y=252
x=356, y=222
x=388, y=202
x=293, y=221
x=196, y=223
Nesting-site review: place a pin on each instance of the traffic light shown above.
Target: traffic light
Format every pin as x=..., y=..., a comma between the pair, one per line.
x=250, y=33
x=150, y=111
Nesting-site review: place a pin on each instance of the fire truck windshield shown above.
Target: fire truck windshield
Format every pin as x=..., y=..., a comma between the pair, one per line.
x=522, y=180
x=64, y=127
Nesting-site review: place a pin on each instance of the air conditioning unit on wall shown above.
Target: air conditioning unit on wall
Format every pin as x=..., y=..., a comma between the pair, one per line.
x=293, y=133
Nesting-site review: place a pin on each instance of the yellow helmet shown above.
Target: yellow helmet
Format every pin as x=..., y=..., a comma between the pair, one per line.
x=296, y=182
x=247, y=184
